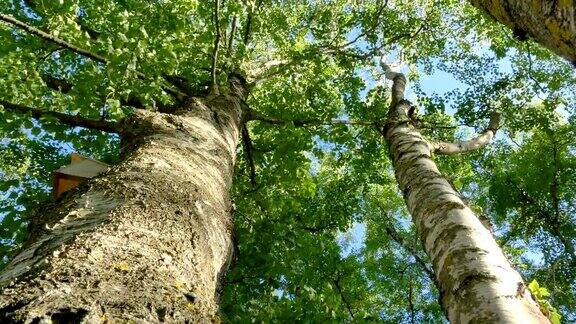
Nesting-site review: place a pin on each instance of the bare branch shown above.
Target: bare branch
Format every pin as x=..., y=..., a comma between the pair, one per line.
x=448, y=148
x=70, y=120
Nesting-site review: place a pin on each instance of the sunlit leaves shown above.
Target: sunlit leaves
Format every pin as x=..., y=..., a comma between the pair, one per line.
x=315, y=183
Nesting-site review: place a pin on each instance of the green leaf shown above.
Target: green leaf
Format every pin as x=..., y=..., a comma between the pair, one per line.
x=555, y=318
x=543, y=292
x=534, y=287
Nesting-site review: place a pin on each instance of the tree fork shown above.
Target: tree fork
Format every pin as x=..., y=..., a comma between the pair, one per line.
x=477, y=283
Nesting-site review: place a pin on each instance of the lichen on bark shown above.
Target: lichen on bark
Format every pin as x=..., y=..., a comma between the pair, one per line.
x=149, y=240
x=552, y=24
x=477, y=283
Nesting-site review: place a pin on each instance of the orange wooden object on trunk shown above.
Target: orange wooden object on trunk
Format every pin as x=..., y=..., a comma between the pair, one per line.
x=80, y=169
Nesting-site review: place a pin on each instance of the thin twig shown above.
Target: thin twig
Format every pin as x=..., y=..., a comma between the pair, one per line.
x=70, y=120
x=530, y=75
x=396, y=237
x=307, y=122
x=370, y=31
x=78, y=50
x=53, y=39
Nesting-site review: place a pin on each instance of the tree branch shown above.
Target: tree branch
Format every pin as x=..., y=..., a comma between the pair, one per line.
x=396, y=237
x=231, y=36
x=64, y=86
x=74, y=121
x=247, y=144
x=410, y=301
x=80, y=51
x=398, y=85
x=248, y=30
x=448, y=148
x=93, y=34
x=306, y=122
x=551, y=224
x=375, y=49
x=313, y=230
x=56, y=84
x=270, y=69
x=275, y=67
x=53, y=39
x=348, y=307
x=214, y=89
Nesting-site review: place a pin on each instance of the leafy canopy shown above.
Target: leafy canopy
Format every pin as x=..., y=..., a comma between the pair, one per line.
x=323, y=232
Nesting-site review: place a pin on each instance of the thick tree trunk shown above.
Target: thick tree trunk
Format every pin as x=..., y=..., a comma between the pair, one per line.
x=477, y=283
x=550, y=23
x=147, y=241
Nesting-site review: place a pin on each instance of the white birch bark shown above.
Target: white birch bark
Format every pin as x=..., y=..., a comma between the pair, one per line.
x=477, y=283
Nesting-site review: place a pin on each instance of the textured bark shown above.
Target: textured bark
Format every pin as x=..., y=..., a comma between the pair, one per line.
x=550, y=23
x=478, y=142
x=149, y=240
x=477, y=283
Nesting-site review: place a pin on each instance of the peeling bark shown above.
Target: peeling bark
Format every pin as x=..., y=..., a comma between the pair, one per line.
x=550, y=23
x=477, y=283
x=149, y=240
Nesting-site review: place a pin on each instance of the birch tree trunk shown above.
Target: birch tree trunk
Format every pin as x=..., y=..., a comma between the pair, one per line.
x=477, y=283
x=550, y=23
x=149, y=240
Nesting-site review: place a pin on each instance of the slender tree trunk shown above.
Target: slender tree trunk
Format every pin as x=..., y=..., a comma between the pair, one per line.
x=147, y=241
x=550, y=23
x=476, y=282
